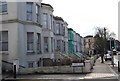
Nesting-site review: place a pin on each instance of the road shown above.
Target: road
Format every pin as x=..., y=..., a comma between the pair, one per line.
x=65, y=80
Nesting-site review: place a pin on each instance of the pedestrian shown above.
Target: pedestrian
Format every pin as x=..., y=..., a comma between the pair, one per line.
x=102, y=58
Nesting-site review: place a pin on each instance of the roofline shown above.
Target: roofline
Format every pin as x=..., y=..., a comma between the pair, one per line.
x=88, y=36
x=46, y=5
x=58, y=18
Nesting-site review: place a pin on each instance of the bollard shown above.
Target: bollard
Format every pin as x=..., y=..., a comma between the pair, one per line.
x=14, y=71
x=118, y=66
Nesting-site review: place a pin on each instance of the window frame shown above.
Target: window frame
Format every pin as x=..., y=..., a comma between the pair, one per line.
x=2, y=4
x=58, y=45
x=29, y=49
x=57, y=28
x=51, y=22
x=46, y=44
x=29, y=12
x=2, y=42
x=52, y=44
x=37, y=13
x=38, y=43
x=45, y=20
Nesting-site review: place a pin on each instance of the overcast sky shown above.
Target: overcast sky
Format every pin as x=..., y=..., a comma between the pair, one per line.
x=84, y=15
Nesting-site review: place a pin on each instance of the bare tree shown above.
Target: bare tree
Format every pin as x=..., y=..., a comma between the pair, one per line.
x=101, y=37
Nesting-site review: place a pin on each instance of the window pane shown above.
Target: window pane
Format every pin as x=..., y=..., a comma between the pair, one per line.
x=38, y=42
x=37, y=9
x=30, y=39
x=58, y=45
x=29, y=16
x=45, y=21
x=45, y=44
x=29, y=11
x=64, y=46
x=4, y=41
x=0, y=8
x=37, y=13
x=57, y=28
x=4, y=36
x=38, y=18
x=4, y=46
x=0, y=36
x=29, y=7
x=3, y=7
x=50, y=21
x=52, y=44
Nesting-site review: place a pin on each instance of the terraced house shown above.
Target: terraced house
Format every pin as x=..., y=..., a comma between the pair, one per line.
x=21, y=34
x=75, y=43
x=61, y=37
x=31, y=36
x=47, y=34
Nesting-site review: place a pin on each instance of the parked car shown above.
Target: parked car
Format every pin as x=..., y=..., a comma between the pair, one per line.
x=108, y=57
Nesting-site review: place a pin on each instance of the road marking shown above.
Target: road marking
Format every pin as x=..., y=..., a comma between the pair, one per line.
x=99, y=75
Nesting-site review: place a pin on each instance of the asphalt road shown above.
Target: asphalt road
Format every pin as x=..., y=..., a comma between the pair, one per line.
x=65, y=80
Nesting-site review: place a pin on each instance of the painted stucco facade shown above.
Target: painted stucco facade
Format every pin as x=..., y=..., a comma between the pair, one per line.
x=17, y=27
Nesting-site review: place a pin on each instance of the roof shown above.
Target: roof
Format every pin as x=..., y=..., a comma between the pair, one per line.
x=70, y=29
x=46, y=5
x=58, y=18
x=88, y=36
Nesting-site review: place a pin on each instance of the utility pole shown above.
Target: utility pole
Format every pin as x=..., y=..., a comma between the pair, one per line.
x=112, y=47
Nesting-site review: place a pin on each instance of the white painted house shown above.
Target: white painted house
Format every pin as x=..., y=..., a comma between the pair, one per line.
x=21, y=33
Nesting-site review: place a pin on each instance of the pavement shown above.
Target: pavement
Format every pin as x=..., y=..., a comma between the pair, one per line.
x=101, y=72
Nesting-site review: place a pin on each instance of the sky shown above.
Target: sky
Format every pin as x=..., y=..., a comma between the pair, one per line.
x=84, y=15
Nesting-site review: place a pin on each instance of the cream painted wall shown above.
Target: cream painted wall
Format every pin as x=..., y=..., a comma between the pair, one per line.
x=11, y=13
